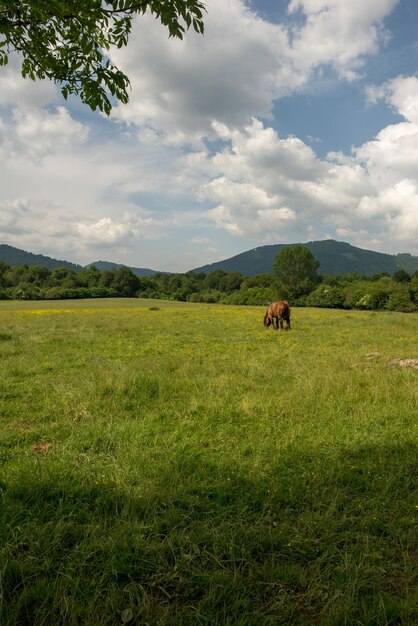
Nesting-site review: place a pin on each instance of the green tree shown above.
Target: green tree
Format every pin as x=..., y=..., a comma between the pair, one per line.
x=231, y=282
x=89, y=277
x=4, y=267
x=15, y=275
x=401, y=276
x=380, y=275
x=62, y=276
x=106, y=278
x=261, y=280
x=296, y=271
x=38, y=275
x=125, y=282
x=67, y=40
x=413, y=288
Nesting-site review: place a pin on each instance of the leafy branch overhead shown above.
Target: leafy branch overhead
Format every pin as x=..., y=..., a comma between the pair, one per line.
x=67, y=40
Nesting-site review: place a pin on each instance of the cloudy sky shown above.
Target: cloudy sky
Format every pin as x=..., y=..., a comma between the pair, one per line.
x=289, y=121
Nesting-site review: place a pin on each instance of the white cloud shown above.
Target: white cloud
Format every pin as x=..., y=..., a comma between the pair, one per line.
x=31, y=125
x=108, y=231
x=231, y=73
x=265, y=183
x=401, y=93
x=272, y=188
x=27, y=223
x=105, y=231
x=392, y=156
x=242, y=64
x=339, y=33
x=14, y=89
x=36, y=133
x=396, y=209
x=75, y=191
x=276, y=215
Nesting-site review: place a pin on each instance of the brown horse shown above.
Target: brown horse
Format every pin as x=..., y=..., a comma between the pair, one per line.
x=278, y=311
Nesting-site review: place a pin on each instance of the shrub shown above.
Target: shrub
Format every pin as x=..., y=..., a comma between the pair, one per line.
x=211, y=296
x=54, y=293
x=400, y=301
x=253, y=296
x=368, y=295
x=326, y=296
x=413, y=289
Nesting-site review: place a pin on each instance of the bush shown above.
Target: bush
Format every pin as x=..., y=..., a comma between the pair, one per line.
x=23, y=292
x=383, y=294
x=368, y=295
x=326, y=296
x=53, y=293
x=400, y=301
x=413, y=289
x=253, y=296
x=354, y=293
x=211, y=296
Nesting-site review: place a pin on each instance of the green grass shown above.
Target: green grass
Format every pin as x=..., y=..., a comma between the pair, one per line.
x=177, y=464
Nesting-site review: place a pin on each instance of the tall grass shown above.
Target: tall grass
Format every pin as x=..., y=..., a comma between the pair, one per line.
x=179, y=465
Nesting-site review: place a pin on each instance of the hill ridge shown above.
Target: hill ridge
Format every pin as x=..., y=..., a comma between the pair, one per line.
x=15, y=256
x=335, y=257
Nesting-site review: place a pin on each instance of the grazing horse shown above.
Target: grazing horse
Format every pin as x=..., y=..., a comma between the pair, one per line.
x=278, y=311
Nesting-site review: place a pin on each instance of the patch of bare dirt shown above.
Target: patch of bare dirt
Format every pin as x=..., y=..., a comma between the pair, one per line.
x=404, y=363
x=43, y=447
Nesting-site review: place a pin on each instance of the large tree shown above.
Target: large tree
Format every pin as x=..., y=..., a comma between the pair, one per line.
x=67, y=40
x=296, y=271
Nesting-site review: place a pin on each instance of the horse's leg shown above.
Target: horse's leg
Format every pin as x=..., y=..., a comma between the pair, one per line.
x=280, y=323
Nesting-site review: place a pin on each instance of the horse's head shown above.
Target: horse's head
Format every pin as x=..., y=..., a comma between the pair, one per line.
x=267, y=320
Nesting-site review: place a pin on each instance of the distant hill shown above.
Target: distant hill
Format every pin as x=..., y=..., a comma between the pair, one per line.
x=107, y=265
x=13, y=256
x=335, y=257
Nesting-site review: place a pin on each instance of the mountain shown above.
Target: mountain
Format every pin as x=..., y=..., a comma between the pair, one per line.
x=335, y=257
x=139, y=271
x=13, y=256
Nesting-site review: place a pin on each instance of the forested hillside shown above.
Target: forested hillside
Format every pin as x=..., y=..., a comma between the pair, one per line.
x=335, y=257
x=13, y=256
x=108, y=265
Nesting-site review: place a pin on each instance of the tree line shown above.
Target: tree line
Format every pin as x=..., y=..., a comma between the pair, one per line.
x=295, y=278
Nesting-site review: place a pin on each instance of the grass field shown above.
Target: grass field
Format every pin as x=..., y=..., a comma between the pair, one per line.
x=176, y=464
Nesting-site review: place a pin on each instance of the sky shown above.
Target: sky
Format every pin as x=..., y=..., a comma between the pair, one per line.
x=289, y=121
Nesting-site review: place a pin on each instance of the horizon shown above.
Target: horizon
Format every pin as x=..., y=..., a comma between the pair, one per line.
x=305, y=129
x=136, y=266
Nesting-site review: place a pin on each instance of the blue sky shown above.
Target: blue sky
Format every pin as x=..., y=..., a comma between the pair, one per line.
x=289, y=121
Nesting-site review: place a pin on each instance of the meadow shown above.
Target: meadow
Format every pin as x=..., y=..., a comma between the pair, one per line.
x=167, y=463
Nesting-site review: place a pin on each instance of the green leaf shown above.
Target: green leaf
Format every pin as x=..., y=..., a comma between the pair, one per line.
x=127, y=616
x=66, y=40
